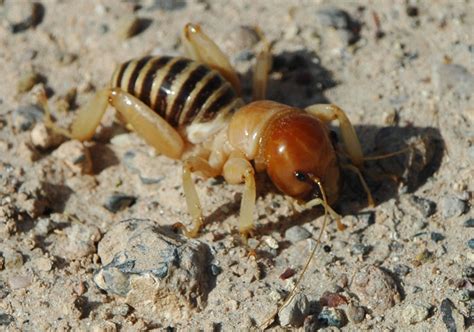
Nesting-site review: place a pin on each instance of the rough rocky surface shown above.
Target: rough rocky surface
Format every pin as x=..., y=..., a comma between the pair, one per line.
x=403, y=72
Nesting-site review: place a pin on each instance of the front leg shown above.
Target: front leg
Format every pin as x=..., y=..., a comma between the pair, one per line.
x=237, y=170
x=191, y=165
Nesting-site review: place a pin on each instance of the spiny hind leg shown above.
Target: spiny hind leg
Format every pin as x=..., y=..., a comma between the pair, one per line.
x=152, y=127
x=191, y=165
x=147, y=123
x=198, y=46
x=236, y=170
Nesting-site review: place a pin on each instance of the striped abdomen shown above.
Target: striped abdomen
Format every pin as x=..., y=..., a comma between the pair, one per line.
x=182, y=91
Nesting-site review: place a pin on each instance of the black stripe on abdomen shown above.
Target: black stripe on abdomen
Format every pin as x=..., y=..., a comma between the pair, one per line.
x=161, y=102
x=136, y=71
x=158, y=63
x=226, y=97
x=121, y=70
x=184, y=92
x=206, y=91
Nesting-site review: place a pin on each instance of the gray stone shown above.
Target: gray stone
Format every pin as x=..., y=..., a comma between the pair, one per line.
x=295, y=312
x=331, y=317
x=376, y=289
x=423, y=205
x=415, y=313
x=6, y=319
x=452, y=207
x=297, y=233
x=355, y=314
x=80, y=241
x=119, y=201
x=451, y=317
x=470, y=244
x=469, y=223
x=333, y=17
x=161, y=274
x=26, y=116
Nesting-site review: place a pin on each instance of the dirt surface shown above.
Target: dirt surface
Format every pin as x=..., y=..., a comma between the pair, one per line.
x=403, y=72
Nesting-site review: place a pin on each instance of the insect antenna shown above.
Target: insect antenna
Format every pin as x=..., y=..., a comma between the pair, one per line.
x=327, y=210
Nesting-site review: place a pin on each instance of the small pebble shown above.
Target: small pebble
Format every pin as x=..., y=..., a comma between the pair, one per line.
x=76, y=156
x=121, y=310
x=80, y=241
x=119, y=201
x=452, y=319
x=6, y=319
x=423, y=205
x=332, y=300
x=468, y=272
x=13, y=259
x=215, y=269
x=470, y=243
x=360, y=249
x=436, y=237
x=347, y=29
x=452, y=207
x=415, y=313
x=469, y=223
x=4, y=290
x=26, y=116
x=44, y=138
x=44, y=264
x=28, y=80
x=331, y=317
x=295, y=312
x=166, y=5
x=355, y=313
x=401, y=270
x=17, y=282
x=132, y=26
x=297, y=233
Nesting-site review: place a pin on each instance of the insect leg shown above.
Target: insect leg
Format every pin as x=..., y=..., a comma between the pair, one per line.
x=262, y=69
x=198, y=46
x=87, y=117
x=149, y=125
x=237, y=170
x=327, y=113
x=191, y=165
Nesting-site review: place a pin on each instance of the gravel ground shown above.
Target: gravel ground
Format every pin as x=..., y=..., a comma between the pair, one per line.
x=85, y=236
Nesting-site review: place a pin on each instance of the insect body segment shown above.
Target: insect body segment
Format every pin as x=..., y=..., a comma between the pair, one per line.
x=180, y=90
x=190, y=109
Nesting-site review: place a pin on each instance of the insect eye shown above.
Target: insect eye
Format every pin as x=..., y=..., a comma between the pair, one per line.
x=300, y=176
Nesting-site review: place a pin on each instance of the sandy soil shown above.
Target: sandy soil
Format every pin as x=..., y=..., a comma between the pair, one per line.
x=403, y=72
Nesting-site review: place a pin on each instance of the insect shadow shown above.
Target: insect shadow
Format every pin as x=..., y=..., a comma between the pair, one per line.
x=301, y=82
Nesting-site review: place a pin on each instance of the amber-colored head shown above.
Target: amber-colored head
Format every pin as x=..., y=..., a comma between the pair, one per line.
x=296, y=147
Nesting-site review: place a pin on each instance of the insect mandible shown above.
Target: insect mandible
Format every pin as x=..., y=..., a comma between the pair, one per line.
x=191, y=109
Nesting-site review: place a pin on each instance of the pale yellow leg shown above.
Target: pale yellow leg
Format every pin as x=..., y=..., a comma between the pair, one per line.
x=148, y=124
x=327, y=113
x=198, y=46
x=87, y=117
x=191, y=165
x=237, y=170
x=262, y=69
